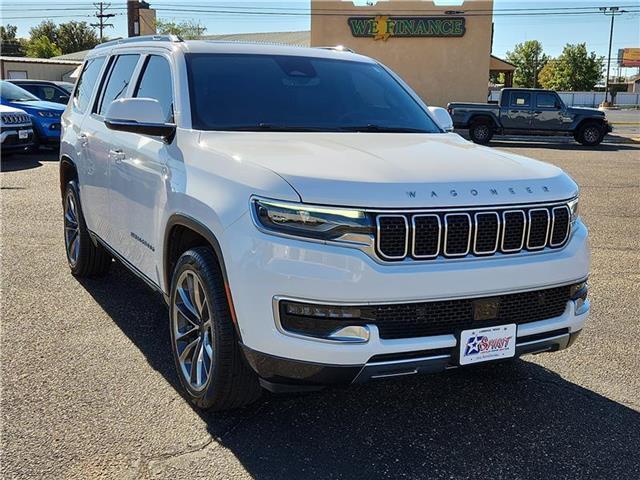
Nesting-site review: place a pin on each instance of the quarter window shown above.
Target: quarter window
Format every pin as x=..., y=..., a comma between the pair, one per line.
x=520, y=99
x=86, y=82
x=155, y=83
x=118, y=82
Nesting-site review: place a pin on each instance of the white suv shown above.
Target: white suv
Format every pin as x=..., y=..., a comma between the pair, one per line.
x=309, y=220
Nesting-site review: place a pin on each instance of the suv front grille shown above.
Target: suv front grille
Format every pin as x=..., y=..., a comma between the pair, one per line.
x=423, y=236
x=423, y=319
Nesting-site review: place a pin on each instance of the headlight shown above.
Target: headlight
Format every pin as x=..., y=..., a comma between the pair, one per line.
x=311, y=221
x=573, y=206
x=49, y=114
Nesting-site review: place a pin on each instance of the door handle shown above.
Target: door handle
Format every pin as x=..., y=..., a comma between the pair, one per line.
x=117, y=155
x=84, y=139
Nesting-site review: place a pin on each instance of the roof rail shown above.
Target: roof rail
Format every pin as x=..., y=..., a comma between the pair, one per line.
x=339, y=48
x=143, y=38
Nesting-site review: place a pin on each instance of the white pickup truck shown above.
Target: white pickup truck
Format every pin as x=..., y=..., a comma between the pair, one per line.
x=309, y=220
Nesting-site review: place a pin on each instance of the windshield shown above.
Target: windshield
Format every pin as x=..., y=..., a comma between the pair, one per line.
x=292, y=93
x=13, y=93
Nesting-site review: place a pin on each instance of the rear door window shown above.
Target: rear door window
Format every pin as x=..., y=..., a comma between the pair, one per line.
x=86, y=83
x=118, y=81
x=520, y=99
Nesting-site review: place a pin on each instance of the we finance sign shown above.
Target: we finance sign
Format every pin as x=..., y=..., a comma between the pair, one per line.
x=383, y=27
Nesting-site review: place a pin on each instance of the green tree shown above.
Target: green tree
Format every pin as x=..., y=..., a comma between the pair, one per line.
x=70, y=37
x=188, y=30
x=574, y=70
x=529, y=60
x=42, y=47
x=10, y=45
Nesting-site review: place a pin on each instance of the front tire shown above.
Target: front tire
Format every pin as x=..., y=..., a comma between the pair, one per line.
x=481, y=131
x=590, y=134
x=206, y=351
x=85, y=258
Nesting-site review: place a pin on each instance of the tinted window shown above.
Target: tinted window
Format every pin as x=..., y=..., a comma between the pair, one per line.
x=156, y=83
x=46, y=92
x=546, y=100
x=248, y=92
x=119, y=79
x=520, y=99
x=86, y=82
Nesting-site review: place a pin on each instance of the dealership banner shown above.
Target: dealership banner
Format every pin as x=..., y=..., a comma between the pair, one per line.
x=629, y=57
x=383, y=27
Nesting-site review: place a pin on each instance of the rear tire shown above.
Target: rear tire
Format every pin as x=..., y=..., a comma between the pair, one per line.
x=590, y=134
x=481, y=131
x=207, y=354
x=85, y=258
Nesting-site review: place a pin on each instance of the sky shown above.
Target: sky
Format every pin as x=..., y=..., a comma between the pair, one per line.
x=554, y=31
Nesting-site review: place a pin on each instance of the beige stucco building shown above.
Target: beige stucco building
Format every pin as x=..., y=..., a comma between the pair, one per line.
x=443, y=52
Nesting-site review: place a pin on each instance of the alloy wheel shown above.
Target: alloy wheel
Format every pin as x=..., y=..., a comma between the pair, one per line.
x=482, y=132
x=591, y=134
x=192, y=330
x=71, y=229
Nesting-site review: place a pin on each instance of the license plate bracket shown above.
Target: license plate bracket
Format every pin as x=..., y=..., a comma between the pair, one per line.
x=485, y=344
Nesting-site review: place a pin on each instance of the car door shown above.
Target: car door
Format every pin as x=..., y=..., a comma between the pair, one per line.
x=518, y=111
x=139, y=173
x=92, y=167
x=548, y=112
x=115, y=84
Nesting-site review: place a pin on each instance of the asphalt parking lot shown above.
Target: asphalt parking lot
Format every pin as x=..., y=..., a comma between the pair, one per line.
x=89, y=388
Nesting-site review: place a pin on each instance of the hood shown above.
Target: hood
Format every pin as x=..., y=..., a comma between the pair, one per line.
x=39, y=105
x=586, y=111
x=8, y=109
x=390, y=170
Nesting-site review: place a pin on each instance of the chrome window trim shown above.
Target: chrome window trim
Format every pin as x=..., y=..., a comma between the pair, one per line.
x=413, y=236
x=475, y=234
x=553, y=223
x=504, y=229
x=446, y=234
x=406, y=237
x=546, y=238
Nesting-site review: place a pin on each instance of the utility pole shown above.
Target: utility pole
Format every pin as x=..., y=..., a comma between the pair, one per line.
x=100, y=15
x=612, y=11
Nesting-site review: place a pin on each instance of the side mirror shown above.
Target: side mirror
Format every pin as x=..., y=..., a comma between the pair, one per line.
x=64, y=99
x=139, y=115
x=442, y=118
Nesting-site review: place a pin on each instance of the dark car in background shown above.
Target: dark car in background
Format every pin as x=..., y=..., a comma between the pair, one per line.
x=44, y=115
x=528, y=111
x=58, y=92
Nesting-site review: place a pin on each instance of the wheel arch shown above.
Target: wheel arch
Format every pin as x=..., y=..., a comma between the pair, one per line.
x=585, y=120
x=483, y=117
x=181, y=233
x=68, y=171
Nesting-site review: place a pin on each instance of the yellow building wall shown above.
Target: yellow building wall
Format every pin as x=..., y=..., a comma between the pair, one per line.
x=439, y=69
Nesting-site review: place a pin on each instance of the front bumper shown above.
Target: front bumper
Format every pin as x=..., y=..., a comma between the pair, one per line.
x=265, y=267
x=285, y=375
x=11, y=141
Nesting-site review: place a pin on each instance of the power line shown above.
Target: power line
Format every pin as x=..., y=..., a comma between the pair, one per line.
x=101, y=15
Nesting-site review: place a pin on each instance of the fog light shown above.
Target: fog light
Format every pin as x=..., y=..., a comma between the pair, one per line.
x=579, y=293
x=327, y=322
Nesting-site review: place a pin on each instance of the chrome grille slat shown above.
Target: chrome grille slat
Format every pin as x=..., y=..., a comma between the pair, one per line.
x=455, y=233
x=533, y=223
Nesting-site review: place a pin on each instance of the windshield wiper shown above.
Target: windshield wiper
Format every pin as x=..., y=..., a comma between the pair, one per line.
x=380, y=128
x=270, y=127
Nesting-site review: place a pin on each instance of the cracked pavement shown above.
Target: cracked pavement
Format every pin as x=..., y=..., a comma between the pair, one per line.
x=89, y=388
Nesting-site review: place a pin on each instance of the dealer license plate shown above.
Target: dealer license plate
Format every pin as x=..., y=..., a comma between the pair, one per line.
x=489, y=343
x=23, y=134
